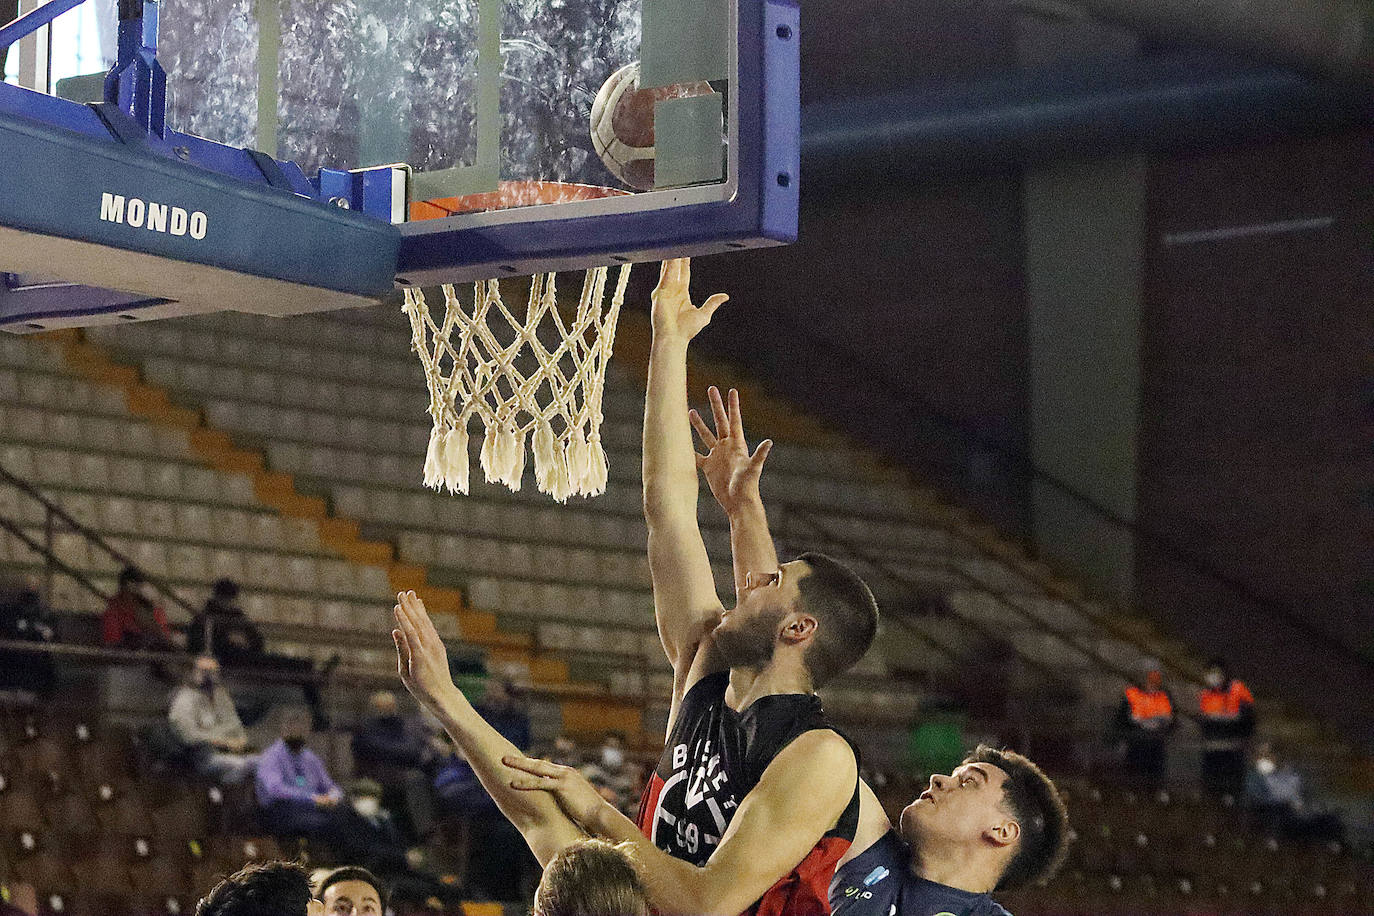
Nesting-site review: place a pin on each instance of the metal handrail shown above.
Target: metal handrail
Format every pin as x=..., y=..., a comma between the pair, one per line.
x=917, y=407
x=55, y=511
x=1050, y=674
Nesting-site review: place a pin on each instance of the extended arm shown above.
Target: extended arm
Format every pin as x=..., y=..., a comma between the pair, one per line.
x=733, y=475
x=423, y=664
x=801, y=796
x=686, y=605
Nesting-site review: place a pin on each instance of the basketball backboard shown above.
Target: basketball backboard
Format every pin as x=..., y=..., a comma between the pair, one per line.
x=335, y=149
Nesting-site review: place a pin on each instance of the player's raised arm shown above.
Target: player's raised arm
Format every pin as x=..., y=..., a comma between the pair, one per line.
x=800, y=797
x=422, y=661
x=733, y=475
x=685, y=601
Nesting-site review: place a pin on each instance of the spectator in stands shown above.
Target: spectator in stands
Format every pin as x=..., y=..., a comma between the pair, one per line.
x=296, y=796
x=565, y=752
x=591, y=878
x=613, y=774
x=368, y=834
x=275, y=888
x=351, y=891
x=1228, y=720
x=24, y=618
x=396, y=752
x=1277, y=793
x=368, y=837
x=1144, y=721
x=223, y=630
x=204, y=721
x=133, y=619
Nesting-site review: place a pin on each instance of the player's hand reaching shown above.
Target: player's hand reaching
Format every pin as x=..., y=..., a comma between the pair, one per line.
x=421, y=659
x=576, y=796
x=731, y=472
x=673, y=312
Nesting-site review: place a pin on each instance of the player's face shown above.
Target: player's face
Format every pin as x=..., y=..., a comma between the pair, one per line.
x=959, y=808
x=352, y=898
x=747, y=632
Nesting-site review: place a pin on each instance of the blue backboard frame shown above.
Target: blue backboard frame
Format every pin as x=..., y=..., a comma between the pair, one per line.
x=762, y=211
x=342, y=238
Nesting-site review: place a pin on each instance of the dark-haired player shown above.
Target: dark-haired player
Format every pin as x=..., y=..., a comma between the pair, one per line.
x=262, y=889
x=996, y=823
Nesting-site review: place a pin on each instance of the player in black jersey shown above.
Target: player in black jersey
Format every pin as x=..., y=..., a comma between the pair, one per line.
x=995, y=824
x=756, y=797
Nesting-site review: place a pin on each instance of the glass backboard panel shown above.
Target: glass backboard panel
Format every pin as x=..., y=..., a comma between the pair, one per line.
x=478, y=97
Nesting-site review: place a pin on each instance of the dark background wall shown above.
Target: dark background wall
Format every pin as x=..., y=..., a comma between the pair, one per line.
x=902, y=315
x=1257, y=427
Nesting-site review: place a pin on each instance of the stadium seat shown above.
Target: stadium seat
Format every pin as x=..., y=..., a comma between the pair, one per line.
x=122, y=811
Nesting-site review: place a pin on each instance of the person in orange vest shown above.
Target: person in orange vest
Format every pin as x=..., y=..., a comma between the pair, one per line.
x=1227, y=711
x=1143, y=721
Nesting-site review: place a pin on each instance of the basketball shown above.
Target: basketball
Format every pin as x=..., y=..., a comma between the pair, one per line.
x=622, y=124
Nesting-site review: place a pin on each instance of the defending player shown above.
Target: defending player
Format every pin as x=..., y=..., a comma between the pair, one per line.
x=996, y=824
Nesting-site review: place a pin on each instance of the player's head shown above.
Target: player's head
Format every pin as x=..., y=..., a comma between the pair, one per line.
x=352, y=891
x=591, y=878
x=813, y=605
x=998, y=805
x=262, y=889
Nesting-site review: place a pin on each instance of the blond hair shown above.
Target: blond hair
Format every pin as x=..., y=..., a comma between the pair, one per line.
x=591, y=878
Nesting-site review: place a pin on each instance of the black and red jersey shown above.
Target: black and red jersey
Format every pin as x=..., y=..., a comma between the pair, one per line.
x=714, y=758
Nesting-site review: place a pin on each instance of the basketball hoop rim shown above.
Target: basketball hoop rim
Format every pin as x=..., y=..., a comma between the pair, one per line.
x=510, y=195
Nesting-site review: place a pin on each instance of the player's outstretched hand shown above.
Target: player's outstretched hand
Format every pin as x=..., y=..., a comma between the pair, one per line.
x=731, y=472
x=576, y=796
x=421, y=659
x=673, y=312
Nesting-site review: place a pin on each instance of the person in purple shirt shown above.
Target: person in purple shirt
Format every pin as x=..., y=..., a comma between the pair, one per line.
x=296, y=796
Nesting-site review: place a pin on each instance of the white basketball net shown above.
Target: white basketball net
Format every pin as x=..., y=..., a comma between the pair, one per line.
x=486, y=362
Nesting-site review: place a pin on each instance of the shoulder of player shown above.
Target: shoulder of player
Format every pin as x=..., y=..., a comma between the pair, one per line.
x=887, y=852
x=820, y=751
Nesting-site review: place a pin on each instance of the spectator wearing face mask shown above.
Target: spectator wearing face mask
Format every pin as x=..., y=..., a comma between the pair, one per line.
x=397, y=751
x=612, y=774
x=1277, y=793
x=1227, y=716
x=368, y=835
x=296, y=796
x=204, y=721
x=133, y=619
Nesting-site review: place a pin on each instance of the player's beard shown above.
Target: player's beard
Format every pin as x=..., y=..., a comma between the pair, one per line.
x=750, y=643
